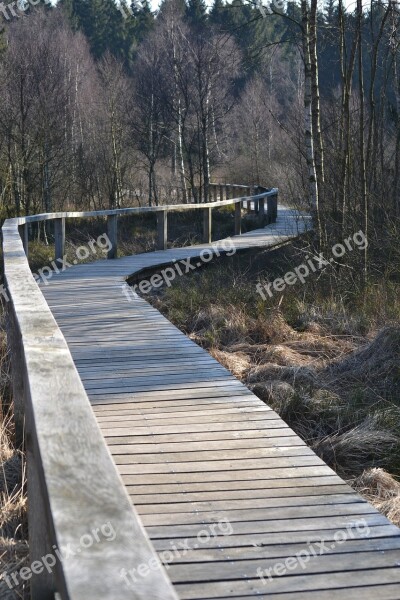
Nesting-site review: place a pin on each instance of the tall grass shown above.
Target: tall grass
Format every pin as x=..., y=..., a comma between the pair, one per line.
x=13, y=502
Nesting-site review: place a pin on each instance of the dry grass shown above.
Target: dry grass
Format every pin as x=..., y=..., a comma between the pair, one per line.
x=375, y=366
x=13, y=503
x=382, y=490
x=237, y=363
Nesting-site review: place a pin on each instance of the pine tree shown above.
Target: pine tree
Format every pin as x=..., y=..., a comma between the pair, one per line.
x=104, y=24
x=218, y=13
x=196, y=13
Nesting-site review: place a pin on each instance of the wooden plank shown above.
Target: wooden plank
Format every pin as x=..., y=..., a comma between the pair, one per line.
x=208, y=428
x=204, y=479
x=254, y=515
x=382, y=542
x=131, y=457
x=292, y=585
x=208, y=468
x=279, y=444
x=263, y=493
x=283, y=480
x=217, y=418
x=239, y=433
x=264, y=528
x=228, y=545
x=325, y=563
x=164, y=407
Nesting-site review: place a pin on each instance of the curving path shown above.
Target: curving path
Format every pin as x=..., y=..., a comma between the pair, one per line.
x=231, y=498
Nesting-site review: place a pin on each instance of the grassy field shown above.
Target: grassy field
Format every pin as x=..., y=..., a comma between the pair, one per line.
x=324, y=355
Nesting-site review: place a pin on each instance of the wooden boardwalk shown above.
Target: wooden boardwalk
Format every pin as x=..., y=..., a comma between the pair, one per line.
x=225, y=489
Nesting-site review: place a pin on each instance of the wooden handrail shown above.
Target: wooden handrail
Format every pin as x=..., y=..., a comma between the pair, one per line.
x=162, y=218
x=140, y=209
x=74, y=488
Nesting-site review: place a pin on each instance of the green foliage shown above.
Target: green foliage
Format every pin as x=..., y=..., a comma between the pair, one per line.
x=116, y=28
x=196, y=13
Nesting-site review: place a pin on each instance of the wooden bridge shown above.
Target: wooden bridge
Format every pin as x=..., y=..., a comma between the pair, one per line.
x=128, y=424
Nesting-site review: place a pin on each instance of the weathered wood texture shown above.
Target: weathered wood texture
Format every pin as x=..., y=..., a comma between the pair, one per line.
x=196, y=449
x=112, y=232
x=143, y=209
x=59, y=238
x=73, y=486
x=162, y=230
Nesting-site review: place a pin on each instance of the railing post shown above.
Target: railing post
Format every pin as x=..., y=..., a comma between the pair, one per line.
x=222, y=192
x=238, y=218
x=112, y=232
x=272, y=208
x=59, y=238
x=162, y=229
x=23, y=232
x=261, y=211
x=215, y=190
x=207, y=225
x=275, y=215
x=42, y=586
x=14, y=343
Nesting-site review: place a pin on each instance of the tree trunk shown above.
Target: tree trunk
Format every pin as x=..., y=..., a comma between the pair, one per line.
x=308, y=118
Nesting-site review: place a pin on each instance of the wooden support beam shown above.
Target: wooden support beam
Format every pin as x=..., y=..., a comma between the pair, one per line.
x=207, y=225
x=14, y=343
x=238, y=218
x=23, y=232
x=261, y=211
x=40, y=543
x=162, y=229
x=59, y=238
x=272, y=208
x=112, y=232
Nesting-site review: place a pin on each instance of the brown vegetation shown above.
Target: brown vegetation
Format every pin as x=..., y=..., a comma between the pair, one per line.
x=329, y=371
x=13, y=503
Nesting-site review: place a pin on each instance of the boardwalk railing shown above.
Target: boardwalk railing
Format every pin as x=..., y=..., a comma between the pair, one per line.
x=74, y=491
x=263, y=204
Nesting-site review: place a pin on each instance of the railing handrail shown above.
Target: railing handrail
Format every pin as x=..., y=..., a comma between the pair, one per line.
x=73, y=484
x=140, y=209
x=74, y=489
